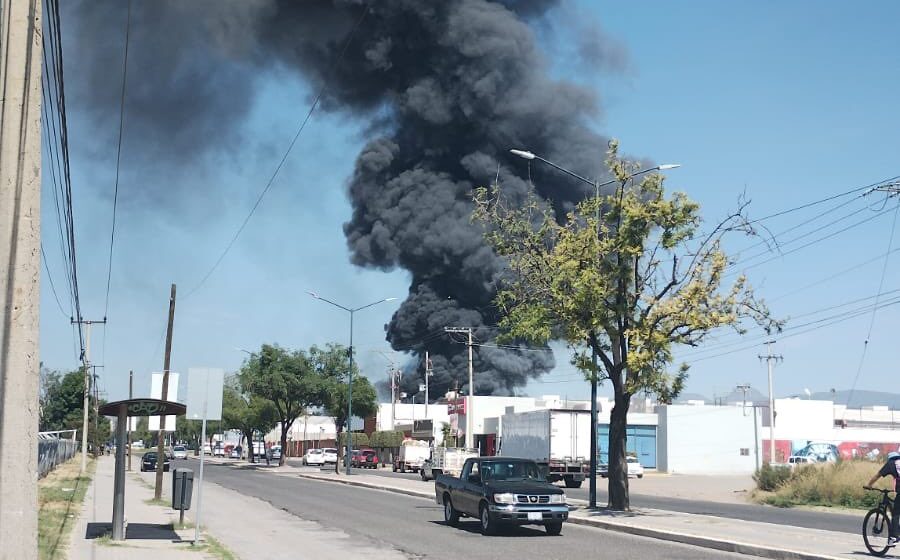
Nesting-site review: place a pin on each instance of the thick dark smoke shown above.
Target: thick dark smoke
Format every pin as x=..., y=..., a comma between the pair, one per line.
x=447, y=87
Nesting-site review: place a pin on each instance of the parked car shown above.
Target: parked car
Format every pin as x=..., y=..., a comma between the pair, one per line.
x=237, y=452
x=148, y=462
x=180, y=452
x=634, y=468
x=207, y=450
x=502, y=491
x=314, y=457
x=330, y=455
x=219, y=450
x=365, y=459
x=274, y=453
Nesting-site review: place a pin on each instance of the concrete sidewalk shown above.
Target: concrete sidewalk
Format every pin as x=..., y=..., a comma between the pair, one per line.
x=247, y=527
x=759, y=539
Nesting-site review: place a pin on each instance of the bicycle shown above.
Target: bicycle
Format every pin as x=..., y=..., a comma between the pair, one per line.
x=877, y=524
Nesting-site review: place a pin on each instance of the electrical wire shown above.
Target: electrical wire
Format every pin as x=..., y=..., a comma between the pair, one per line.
x=50, y=277
x=862, y=357
x=112, y=233
x=287, y=152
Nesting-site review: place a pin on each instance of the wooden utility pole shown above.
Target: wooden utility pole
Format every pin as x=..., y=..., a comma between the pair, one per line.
x=161, y=444
x=20, y=252
x=130, y=396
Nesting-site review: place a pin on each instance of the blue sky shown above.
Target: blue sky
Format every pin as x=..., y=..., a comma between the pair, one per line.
x=786, y=102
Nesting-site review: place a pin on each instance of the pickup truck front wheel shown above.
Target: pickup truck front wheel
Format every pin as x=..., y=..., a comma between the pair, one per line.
x=488, y=523
x=451, y=516
x=553, y=527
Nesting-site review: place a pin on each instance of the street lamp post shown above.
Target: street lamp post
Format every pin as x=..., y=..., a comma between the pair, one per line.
x=524, y=154
x=351, y=311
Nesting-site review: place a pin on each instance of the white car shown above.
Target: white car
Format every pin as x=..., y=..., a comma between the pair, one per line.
x=314, y=457
x=634, y=467
x=330, y=455
x=207, y=450
x=180, y=452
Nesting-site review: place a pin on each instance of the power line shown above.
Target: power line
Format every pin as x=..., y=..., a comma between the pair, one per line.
x=52, y=287
x=287, y=152
x=823, y=200
x=112, y=233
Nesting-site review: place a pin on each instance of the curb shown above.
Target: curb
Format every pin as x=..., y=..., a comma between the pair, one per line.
x=701, y=541
x=683, y=538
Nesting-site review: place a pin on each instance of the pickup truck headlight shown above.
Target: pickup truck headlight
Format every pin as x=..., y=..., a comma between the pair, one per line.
x=557, y=498
x=505, y=498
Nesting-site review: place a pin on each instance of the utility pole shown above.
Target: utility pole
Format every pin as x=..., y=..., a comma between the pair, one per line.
x=86, y=362
x=160, y=446
x=393, y=372
x=744, y=388
x=470, y=422
x=771, y=359
x=131, y=396
x=428, y=373
x=20, y=252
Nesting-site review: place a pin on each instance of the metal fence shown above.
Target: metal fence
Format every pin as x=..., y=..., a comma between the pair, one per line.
x=54, y=450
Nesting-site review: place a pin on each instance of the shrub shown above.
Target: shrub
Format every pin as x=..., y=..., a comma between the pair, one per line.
x=824, y=484
x=770, y=478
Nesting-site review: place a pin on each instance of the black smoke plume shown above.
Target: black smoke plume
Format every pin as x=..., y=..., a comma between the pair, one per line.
x=447, y=88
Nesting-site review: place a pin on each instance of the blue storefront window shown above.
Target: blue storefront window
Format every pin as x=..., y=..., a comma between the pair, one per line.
x=641, y=442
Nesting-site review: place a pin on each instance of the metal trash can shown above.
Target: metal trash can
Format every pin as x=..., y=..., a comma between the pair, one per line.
x=182, y=488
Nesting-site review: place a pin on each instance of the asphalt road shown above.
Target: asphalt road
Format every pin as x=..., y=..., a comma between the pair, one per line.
x=829, y=521
x=415, y=526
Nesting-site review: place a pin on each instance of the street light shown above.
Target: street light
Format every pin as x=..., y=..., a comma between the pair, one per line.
x=525, y=154
x=351, y=311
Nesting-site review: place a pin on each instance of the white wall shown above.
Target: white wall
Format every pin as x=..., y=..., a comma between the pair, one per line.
x=706, y=440
x=310, y=428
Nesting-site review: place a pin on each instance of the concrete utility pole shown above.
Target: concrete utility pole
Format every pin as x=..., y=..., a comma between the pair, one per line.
x=86, y=361
x=20, y=254
x=160, y=446
x=771, y=359
x=470, y=422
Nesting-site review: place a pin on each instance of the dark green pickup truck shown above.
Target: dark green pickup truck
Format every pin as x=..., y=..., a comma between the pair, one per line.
x=502, y=491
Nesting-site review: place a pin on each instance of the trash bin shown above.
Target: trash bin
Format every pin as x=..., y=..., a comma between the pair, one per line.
x=182, y=488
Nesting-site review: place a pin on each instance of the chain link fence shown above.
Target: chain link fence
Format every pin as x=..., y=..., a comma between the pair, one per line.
x=54, y=450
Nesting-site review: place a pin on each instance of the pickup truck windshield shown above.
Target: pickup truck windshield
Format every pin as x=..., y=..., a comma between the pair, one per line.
x=510, y=470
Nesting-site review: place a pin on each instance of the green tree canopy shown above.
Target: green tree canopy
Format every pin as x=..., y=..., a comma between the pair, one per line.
x=629, y=286
x=247, y=413
x=62, y=400
x=287, y=379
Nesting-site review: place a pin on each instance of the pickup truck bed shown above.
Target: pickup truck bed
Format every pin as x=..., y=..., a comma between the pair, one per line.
x=501, y=491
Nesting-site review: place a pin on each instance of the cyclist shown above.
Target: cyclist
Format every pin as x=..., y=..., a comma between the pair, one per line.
x=891, y=468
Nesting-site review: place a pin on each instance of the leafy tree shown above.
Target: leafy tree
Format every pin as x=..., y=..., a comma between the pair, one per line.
x=630, y=286
x=386, y=439
x=287, y=379
x=359, y=439
x=333, y=364
x=62, y=408
x=247, y=413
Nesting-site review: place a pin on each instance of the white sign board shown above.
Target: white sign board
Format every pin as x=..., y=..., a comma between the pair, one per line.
x=204, y=391
x=133, y=423
x=156, y=393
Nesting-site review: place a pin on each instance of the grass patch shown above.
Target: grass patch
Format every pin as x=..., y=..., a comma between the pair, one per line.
x=825, y=484
x=217, y=549
x=60, y=495
x=157, y=502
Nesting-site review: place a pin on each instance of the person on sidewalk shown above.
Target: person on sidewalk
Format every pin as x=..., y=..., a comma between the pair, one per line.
x=891, y=468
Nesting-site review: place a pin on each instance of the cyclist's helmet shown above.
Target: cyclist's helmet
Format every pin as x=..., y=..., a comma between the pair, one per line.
x=893, y=455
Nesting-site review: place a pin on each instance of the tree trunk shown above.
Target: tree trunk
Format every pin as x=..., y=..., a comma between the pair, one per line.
x=285, y=426
x=249, y=436
x=618, y=468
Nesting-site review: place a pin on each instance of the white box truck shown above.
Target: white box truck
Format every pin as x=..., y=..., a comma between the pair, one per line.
x=413, y=453
x=557, y=440
x=446, y=460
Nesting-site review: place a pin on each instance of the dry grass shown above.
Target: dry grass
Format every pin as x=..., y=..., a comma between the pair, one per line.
x=828, y=484
x=60, y=495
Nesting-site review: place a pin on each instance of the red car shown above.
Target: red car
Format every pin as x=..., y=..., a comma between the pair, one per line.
x=365, y=459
